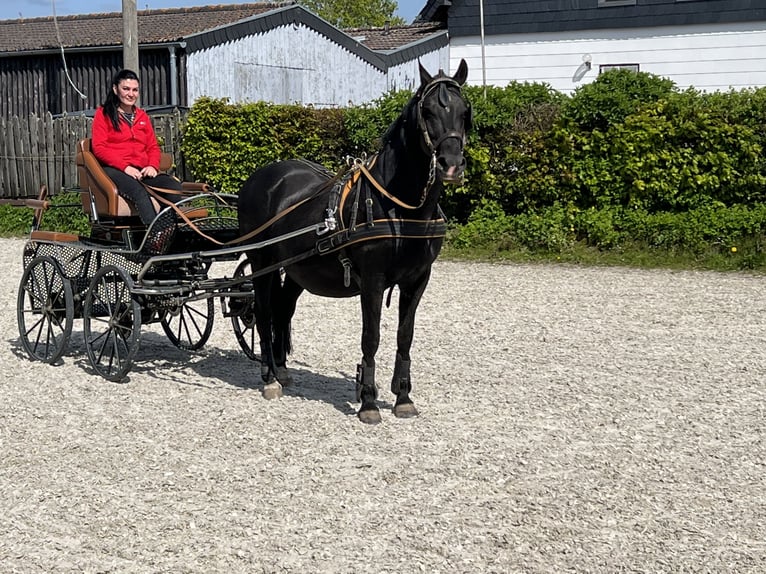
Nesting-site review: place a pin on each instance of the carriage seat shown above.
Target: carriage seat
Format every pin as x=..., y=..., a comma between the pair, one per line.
x=99, y=192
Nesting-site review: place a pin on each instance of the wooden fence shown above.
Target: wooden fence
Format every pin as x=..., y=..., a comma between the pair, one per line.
x=37, y=151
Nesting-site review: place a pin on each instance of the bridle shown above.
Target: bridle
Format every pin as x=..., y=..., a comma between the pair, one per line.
x=429, y=146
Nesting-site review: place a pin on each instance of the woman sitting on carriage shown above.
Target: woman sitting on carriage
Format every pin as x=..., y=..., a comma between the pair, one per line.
x=125, y=144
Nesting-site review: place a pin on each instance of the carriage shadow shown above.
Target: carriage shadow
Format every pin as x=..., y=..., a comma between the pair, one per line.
x=161, y=360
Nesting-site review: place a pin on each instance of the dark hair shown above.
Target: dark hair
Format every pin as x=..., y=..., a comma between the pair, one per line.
x=112, y=102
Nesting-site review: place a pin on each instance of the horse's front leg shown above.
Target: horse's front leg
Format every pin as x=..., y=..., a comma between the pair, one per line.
x=366, y=390
x=401, y=385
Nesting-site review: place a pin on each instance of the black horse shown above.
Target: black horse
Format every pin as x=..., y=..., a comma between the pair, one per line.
x=386, y=230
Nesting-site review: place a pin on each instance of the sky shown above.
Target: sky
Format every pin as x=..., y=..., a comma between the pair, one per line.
x=11, y=9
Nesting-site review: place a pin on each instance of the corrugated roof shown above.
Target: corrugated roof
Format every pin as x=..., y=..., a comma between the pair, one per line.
x=169, y=25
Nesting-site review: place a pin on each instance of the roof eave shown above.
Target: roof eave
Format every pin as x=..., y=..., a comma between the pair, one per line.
x=88, y=49
x=282, y=17
x=418, y=48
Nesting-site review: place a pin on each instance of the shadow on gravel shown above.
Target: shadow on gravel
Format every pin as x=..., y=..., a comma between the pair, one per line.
x=161, y=360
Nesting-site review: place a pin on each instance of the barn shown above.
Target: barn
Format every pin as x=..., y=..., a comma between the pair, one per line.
x=709, y=44
x=268, y=51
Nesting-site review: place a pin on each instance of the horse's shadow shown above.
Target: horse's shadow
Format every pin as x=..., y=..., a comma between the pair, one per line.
x=160, y=359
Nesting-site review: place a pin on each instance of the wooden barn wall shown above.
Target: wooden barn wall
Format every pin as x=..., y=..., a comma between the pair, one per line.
x=286, y=65
x=40, y=150
x=708, y=57
x=37, y=84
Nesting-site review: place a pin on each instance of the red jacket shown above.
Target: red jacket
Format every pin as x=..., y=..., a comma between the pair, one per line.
x=131, y=146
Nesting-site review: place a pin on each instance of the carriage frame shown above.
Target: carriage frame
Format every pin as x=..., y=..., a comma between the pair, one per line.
x=107, y=280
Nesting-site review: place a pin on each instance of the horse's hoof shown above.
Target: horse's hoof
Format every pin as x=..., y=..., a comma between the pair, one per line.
x=272, y=391
x=405, y=411
x=283, y=376
x=370, y=417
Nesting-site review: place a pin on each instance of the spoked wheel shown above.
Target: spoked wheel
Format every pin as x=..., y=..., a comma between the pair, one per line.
x=112, y=323
x=189, y=325
x=243, y=321
x=45, y=310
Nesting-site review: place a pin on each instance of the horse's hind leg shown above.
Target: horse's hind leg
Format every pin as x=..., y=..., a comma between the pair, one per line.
x=401, y=384
x=284, y=300
x=262, y=300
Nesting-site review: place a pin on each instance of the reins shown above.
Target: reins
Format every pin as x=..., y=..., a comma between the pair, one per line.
x=383, y=191
x=358, y=166
x=156, y=191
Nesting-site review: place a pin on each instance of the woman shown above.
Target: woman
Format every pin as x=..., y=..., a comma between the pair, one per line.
x=124, y=143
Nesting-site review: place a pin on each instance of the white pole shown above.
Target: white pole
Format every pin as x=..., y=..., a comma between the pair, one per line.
x=483, y=60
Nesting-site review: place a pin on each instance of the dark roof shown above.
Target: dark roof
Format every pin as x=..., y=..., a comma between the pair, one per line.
x=394, y=37
x=534, y=16
x=434, y=10
x=202, y=27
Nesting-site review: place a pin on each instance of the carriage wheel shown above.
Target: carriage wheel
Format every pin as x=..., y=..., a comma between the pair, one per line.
x=244, y=322
x=45, y=310
x=112, y=323
x=189, y=325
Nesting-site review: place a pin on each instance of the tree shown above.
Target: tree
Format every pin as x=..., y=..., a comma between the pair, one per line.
x=355, y=13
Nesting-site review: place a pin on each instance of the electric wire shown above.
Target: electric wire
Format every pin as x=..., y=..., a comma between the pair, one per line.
x=63, y=57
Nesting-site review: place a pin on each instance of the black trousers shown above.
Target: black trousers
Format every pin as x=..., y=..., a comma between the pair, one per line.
x=134, y=191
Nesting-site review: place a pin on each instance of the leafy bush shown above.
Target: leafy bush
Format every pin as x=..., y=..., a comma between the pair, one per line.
x=15, y=221
x=223, y=144
x=65, y=215
x=508, y=142
x=366, y=124
x=612, y=97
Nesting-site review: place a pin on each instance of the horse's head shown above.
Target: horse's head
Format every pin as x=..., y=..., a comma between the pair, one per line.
x=443, y=119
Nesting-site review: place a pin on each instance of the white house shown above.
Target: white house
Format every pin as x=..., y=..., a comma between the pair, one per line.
x=709, y=44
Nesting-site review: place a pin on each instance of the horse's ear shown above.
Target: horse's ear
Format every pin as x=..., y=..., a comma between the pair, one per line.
x=425, y=77
x=462, y=73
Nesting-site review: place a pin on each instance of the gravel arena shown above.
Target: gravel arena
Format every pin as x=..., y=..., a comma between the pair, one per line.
x=572, y=420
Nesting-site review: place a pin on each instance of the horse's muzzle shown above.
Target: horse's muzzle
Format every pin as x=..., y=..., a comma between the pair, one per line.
x=451, y=173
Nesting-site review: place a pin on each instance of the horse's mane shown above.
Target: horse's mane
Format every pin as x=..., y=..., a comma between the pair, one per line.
x=396, y=129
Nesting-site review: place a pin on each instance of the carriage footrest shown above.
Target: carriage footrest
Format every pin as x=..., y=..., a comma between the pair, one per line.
x=53, y=236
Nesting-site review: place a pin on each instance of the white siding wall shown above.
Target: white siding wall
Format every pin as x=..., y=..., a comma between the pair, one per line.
x=707, y=57
x=286, y=65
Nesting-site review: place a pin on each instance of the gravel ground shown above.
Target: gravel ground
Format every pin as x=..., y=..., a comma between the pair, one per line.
x=572, y=420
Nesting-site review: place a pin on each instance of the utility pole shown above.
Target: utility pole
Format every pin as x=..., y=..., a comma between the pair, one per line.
x=130, y=36
x=483, y=57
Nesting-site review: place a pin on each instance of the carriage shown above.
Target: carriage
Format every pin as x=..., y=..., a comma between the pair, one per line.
x=108, y=280
x=293, y=227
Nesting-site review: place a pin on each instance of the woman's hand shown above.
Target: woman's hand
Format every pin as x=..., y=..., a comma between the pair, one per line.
x=134, y=172
x=148, y=171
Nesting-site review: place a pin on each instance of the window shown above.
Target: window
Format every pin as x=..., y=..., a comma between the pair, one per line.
x=606, y=67
x=608, y=3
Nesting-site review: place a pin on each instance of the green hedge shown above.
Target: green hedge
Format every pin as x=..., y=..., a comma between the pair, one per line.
x=626, y=159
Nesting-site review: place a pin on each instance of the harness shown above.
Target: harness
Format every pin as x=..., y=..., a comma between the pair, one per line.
x=355, y=231
x=360, y=227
